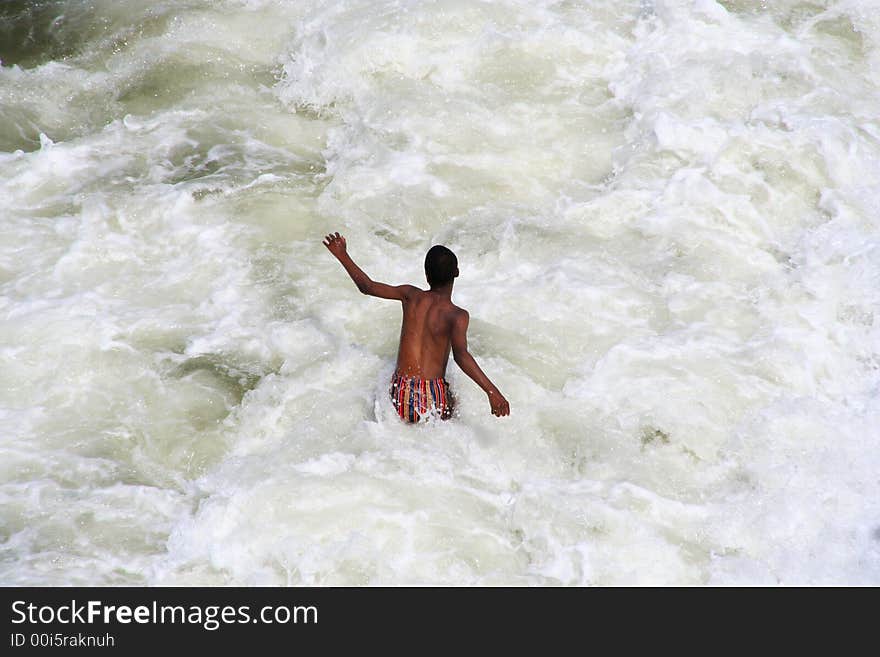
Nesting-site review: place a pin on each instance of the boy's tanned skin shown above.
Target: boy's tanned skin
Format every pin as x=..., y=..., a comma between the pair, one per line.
x=432, y=327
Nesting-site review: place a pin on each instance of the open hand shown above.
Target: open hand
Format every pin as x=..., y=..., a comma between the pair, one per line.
x=499, y=404
x=335, y=243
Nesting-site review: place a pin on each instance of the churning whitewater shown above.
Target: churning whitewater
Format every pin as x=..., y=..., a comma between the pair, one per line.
x=667, y=219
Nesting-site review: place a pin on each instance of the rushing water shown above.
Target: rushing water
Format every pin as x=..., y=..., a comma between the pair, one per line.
x=666, y=215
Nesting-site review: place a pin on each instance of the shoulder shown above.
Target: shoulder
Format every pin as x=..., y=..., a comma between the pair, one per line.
x=459, y=316
x=408, y=292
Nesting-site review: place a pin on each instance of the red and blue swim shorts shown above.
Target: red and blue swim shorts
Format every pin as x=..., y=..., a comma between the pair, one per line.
x=414, y=397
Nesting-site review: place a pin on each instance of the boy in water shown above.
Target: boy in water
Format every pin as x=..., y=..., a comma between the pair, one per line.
x=432, y=325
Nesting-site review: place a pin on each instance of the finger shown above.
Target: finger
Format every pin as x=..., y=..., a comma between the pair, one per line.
x=338, y=235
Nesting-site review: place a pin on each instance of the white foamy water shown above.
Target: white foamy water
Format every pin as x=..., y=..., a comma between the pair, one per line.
x=666, y=215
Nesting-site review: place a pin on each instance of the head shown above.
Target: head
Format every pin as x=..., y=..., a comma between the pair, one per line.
x=441, y=266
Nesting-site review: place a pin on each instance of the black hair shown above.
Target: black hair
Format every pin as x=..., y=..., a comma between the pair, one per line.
x=441, y=266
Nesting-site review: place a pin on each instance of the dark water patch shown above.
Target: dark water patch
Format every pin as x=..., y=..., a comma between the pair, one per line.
x=313, y=112
x=232, y=379
x=787, y=15
x=33, y=32
x=845, y=33
x=782, y=257
x=793, y=17
x=99, y=71
x=174, y=79
x=22, y=129
x=223, y=156
x=653, y=435
x=193, y=161
x=160, y=86
x=36, y=31
x=19, y=130
x=204, y=192
x=6, y=275
x=62, y=104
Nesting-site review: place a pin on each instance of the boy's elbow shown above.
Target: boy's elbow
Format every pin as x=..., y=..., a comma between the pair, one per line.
x=364, y=286
x=459, y=355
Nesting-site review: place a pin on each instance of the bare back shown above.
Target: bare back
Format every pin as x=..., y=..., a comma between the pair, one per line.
x=426, y=333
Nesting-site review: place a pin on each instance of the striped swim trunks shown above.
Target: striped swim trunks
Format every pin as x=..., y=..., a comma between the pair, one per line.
x=414, y=396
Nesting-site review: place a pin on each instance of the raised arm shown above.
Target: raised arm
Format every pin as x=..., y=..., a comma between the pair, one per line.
x=469, y=366
x=335, y=243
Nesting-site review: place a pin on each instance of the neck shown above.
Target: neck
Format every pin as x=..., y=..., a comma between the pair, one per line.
x=443, y=290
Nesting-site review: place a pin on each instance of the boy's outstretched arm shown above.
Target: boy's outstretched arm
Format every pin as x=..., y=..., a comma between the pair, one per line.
x=469, y=366
x=335, y=243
